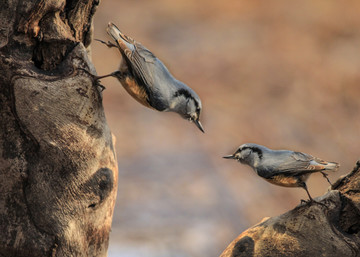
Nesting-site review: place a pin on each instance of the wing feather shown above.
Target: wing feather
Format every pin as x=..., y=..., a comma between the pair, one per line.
x=299, y=164
x=142, y=62
x=139, y=59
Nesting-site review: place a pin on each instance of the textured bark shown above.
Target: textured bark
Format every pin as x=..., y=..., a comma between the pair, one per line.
x=58, y=170
x=328, y=229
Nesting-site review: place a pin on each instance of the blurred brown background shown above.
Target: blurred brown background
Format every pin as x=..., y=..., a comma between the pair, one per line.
x=284, y=74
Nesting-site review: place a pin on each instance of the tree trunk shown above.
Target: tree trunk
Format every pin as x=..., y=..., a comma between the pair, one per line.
x=331, y=228
x=58, y=176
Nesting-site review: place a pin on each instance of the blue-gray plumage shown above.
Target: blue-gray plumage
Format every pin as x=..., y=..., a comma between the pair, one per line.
x=149, y=82
x=282, y=167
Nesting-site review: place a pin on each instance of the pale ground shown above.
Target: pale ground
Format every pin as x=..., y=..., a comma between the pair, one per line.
x=279, y=73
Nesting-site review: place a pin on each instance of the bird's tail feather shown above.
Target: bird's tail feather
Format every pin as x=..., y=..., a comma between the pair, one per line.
x=332, y=166
x=123, y=40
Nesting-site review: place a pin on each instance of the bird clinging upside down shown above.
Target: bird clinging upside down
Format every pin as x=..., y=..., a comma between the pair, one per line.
x=149, y=82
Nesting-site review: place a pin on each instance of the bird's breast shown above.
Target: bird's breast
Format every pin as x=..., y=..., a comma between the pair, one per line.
x=284, y=181
x=136, y=91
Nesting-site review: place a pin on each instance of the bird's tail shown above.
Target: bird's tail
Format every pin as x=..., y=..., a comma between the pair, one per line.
x=121, y=39
x=332, y=166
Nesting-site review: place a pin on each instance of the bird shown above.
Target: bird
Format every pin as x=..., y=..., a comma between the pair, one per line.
x=148, y=80
x=282, y=167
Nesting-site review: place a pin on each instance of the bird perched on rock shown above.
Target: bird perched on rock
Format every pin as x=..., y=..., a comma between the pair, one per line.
x=282, y=167
x=147, y=79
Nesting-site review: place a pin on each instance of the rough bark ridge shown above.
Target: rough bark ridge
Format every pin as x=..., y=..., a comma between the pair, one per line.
x=331, y=228
x=58, y=170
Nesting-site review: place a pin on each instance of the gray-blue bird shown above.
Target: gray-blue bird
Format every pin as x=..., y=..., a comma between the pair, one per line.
x=147, y=79
x=282, y=167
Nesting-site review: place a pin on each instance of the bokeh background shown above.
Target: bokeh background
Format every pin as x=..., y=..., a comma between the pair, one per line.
x=284, y=74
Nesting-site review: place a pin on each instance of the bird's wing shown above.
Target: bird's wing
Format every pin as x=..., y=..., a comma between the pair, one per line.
x=299, y=163
x=145, y=67
x=152, y=74
x=139, y=59
x=143, y=63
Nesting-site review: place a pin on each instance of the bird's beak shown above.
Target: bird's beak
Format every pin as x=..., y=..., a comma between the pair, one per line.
x=229, y=156
x=198, y=124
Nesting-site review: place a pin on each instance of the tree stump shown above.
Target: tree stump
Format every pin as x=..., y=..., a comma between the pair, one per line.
x=331, y=228
x=58, y=169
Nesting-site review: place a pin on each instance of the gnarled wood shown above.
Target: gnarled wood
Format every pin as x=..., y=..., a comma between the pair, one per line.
x=58, y=170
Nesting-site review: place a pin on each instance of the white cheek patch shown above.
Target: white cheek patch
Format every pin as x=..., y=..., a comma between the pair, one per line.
x=173, y=103
x=176, y=102
x=238, y=156
x=256, y=162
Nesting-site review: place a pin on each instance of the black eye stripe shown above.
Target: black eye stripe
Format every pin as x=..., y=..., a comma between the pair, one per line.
x=187, y=95
x=255, y=150
x=197, y=105
x=183, y=92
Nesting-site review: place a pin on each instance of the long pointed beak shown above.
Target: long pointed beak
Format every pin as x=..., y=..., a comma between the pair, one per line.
x=198, y=124
x=229, y=157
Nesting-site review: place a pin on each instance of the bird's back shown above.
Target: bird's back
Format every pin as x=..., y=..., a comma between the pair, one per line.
x=282, y=161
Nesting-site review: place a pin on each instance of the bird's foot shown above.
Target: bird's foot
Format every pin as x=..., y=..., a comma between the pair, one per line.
x=312, y=201
x=108, y=43
x=326, y=176
x=102, y=88
x=302, y=201
x=95, y=79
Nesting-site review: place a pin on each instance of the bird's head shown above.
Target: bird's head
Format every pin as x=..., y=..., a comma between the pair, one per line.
x=247, y=154
x=188, y=104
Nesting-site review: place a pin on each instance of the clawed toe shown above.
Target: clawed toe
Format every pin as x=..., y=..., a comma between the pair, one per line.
x=94, y=78
x=312, y=201
x=102, y=88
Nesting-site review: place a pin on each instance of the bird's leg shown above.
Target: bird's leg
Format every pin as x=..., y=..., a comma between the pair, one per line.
x=307, y=191
x=95, y=77
x=311, y=200
x=108, y=43
x=112, y=74
x=326, y=176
